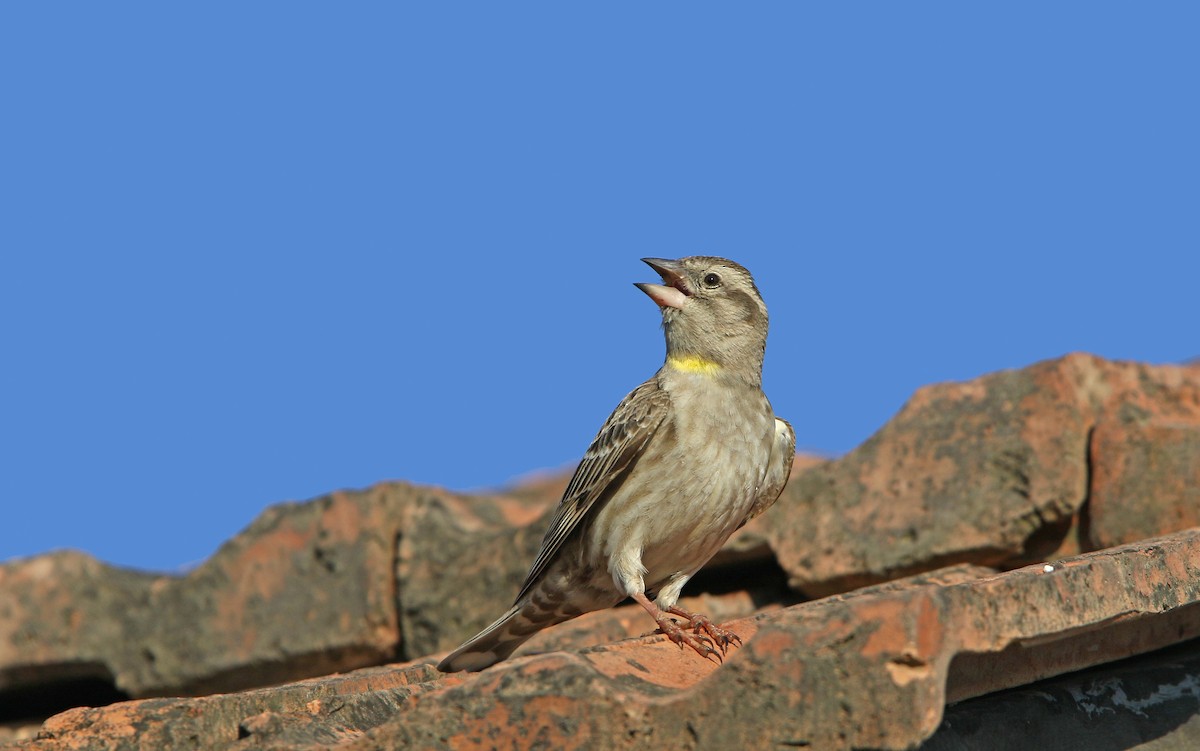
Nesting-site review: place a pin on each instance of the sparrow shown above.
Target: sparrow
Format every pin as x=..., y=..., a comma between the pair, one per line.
x=685, y=460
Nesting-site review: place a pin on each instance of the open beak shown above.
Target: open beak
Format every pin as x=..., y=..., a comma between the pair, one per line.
x=674, y=291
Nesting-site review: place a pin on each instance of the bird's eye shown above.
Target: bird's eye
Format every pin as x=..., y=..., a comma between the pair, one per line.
x=712, y=281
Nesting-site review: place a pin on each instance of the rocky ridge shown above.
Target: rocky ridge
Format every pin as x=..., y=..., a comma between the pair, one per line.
x=993, y=533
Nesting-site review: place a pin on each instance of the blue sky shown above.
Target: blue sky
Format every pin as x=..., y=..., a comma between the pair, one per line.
x=257, y=252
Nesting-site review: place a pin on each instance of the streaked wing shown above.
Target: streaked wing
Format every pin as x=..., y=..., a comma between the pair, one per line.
x=783, y=451
x=616, y=447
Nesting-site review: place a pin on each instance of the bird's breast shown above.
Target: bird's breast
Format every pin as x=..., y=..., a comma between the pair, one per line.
x=694, y=484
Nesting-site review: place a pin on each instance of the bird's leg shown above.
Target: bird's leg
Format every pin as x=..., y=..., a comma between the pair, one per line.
x=700, y=623
x=697, y=641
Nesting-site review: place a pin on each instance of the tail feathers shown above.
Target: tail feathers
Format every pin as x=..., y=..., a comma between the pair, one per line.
x=494, y=643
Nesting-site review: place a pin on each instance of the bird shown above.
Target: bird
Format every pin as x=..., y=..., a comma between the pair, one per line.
x=684, y=461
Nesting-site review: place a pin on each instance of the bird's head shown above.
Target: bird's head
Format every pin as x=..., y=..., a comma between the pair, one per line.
x=713, y=315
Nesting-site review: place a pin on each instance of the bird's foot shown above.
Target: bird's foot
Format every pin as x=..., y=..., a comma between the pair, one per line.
x=701, y=643
x=701, y=625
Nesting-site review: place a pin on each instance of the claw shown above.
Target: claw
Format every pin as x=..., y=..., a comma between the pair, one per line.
x=700, y=643
x=704, y=639
x=704, y=628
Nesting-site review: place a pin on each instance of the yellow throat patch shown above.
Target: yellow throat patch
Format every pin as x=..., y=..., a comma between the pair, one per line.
x=693, y=364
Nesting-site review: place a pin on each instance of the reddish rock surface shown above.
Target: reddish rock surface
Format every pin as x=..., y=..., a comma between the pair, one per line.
x=1071, y=455
x=1139, y=464
x=999, y=471
x=871, y=669
x=308, y=588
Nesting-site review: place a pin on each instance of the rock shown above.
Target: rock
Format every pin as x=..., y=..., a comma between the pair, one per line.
x=873, y=669
x=307, y=589
x=1146, y=480
x=455, y=577
x=350, y=579
x=1066, y=456
x=346, y=705
x=999, y=471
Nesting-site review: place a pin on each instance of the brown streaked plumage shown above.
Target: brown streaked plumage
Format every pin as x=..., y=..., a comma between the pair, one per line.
x=686, y=459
